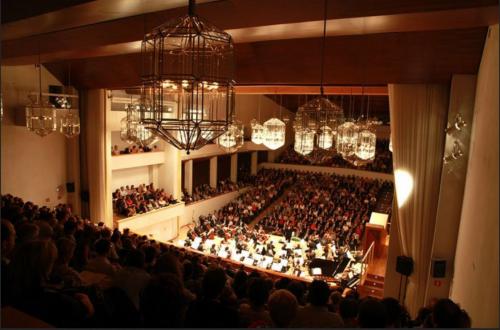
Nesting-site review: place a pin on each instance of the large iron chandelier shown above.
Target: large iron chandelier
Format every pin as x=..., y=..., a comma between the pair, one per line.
x=318, y=117
x=40, y=113
x=190, y=62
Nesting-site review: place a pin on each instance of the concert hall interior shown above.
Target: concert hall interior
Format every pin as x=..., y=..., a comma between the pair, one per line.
x=249, y=163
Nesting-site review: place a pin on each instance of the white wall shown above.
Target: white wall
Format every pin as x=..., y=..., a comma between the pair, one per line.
x=475, y=282
x=131, y=176
x=32, y=167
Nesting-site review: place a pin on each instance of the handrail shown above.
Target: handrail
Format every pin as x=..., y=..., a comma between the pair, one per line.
x=368, y=255
x=370, y=249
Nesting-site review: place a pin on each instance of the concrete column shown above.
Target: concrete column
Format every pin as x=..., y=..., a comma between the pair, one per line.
x=253, y=167
x=234, y=167
x=213, y=172
x=188, y=176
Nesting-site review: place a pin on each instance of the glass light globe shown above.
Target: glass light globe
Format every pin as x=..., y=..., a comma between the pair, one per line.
x=144, y=136
x=347, y=139
x=325, y=137
x=367, y=141
x=274, y=133
x=70, y=125
x=232, y=139
x=304, y=141
x=257, y=133
x=41, y=117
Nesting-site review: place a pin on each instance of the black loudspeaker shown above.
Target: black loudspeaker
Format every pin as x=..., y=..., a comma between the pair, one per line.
x=404, y=265
x=438, y=268
x=85, y=196
x=70, y=187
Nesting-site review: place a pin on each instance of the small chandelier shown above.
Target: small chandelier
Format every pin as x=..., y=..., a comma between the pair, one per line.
x=128, y=124
x=304, y=141
x=233, y=138
x=347, y=139
x=318, y=116
x=70, y=125
x=274, y=133
x=190, y=62
x=257, y=132
x=40, y=113
x=367, y=141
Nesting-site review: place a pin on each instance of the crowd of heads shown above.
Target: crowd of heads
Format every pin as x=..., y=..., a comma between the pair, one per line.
x=130, y=200
x=205, y=191
x=134, y=149
x=320, y=157
x=146, y=283
x=325, y=206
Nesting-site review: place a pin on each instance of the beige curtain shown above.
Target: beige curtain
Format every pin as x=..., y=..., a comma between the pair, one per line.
x=418, y=119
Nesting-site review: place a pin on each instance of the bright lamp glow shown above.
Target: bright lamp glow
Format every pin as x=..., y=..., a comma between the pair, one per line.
x=404, y=186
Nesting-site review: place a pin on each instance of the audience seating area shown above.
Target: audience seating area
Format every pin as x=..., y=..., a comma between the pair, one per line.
x=129, y=200
x=69, y=272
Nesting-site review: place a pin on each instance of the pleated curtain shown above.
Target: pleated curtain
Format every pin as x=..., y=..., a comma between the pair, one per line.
x=418, y=119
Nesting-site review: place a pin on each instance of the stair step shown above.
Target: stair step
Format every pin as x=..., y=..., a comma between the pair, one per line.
x=372, y=292
x=378, y=278
x=374, y=284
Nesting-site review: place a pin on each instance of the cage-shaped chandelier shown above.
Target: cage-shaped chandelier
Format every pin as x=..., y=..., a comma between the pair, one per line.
x=233, y=138
x=347, y=139
x=70, y=124
x=128, y=124
x=274, y=133
x=367, y=142
x=257, y=132
x=304, y=141
x=190, y=62
x=40, y=113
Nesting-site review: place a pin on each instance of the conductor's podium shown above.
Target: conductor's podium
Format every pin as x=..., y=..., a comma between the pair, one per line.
x=376, y=231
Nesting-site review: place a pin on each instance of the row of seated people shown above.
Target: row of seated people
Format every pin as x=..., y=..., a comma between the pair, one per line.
x=205, y=191
x=46, y=254
x=334, y=207
x=135, y=149
x=130, y=200
x=320, y=157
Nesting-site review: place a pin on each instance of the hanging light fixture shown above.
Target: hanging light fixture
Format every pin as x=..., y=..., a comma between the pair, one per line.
x=319, y=115
x=40, y=113
x=128, y=124
x=347, y=137
x=257, y=128
x=233, y=138
x=274, y=133
x=367, y=139
x=190, y=62
x=70, y=121
x=143, y=136
x=304, y=141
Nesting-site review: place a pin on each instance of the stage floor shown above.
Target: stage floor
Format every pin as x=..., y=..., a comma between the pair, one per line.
x=296, y=265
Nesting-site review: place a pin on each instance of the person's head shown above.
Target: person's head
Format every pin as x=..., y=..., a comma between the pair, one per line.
x=239, y=285
x=135, y=258
x=282, y=307
x=31, y=266
x=319, y=292
x=298, y=289
x=372, y=314
x=162, y=302
x=335, y=299
x=348, y=309
x=45, y=231
x=27, y=232
x=447, y=314
x=70, y=227
x=168, y=263
x=150, y=254
x=102, y=247
x=395, y=313
x=65, y=249
x=213, y=283
x=258, y=292
x=422, y=315
x=8, y=238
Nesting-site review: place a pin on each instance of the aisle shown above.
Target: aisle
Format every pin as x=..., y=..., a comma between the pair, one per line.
x=268, y=209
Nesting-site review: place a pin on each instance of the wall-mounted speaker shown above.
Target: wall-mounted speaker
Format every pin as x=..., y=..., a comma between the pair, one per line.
x=438, y=268
x=404, y=265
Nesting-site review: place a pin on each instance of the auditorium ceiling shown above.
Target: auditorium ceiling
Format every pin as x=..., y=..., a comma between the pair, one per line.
x=277, y=42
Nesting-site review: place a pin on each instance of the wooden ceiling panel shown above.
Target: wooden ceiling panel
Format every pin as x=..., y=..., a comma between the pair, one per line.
x=416, y=57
